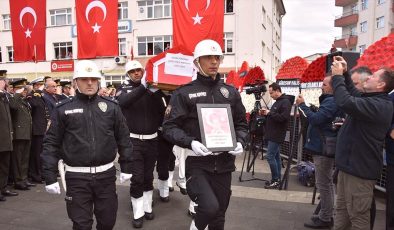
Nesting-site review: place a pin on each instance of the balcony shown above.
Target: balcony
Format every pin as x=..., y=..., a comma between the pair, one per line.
x=344, y=2
x=346, y=19
x=346, y=41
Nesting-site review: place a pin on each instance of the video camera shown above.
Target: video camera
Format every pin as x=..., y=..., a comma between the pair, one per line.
x=350, y=58
x=257, y=89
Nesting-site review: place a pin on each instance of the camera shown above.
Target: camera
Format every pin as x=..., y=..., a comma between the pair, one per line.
x=350, y=58
x=257, y=89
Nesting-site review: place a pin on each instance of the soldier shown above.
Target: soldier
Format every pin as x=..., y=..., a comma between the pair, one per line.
x=87, y=131
x=143, y=110
x=67, y=90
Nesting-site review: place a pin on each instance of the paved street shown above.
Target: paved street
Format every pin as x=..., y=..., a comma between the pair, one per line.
x=251, y=208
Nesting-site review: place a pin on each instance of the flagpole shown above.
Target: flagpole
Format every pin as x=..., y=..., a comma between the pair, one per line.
x=35, y=60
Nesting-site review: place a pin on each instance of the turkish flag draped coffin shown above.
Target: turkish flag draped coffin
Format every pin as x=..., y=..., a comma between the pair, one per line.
x=28, y=21
x=194, y=21
x=97, y=28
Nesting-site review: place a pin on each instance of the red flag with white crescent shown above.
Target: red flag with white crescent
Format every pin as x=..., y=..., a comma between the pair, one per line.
x=97, y=28
x=28, y=22
x=194, y=21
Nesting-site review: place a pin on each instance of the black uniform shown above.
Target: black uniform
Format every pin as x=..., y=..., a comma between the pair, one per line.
x=6, y=136
x=88, y=132
x=208, y=177
x=143, y=110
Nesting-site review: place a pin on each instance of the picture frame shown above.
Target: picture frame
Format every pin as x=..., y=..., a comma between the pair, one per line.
x=216, y=127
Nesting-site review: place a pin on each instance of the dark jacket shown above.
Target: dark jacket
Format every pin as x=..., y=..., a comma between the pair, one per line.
x=320, y=120
x=87, y=132
x=50, y=101
x=6, y=131
x=361, y=137
x=39, y=112
x=181, y=124
x=389, y=140
x=278, y=119
x=142, y=108
x=21, y=118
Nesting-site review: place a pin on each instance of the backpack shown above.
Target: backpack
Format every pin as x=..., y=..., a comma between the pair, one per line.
x=306, y=173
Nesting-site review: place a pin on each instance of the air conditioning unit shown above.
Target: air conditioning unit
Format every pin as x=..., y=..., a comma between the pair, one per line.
x=120, y=60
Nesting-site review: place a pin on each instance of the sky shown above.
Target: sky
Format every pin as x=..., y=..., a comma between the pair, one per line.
x=308, y=27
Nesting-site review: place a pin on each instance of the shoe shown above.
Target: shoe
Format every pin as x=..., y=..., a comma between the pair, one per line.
x=183, y=190
x=317, y=223
x=149, y=216
x=191, y=214
x=165, y=199
x=2, y=198
x=22, y=187
x=9, y=193
x=137, y=223
x=272, y=185
x=29, y=184
x=171, y=189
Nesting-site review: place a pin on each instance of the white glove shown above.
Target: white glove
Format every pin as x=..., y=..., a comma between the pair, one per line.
x=53, y=188
x=124, y=177
x=238, y=150
x=200, y=149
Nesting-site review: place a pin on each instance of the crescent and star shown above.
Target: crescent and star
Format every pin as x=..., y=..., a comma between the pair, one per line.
x=197, y=19
x=93, y=4
x=27, y=10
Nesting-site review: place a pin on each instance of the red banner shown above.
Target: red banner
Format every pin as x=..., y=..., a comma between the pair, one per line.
x=62, y=66
x=97, y=28
x=28, y=21
x=194, y=21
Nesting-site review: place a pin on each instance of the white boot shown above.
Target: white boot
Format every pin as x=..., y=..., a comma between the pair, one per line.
x=138, y=207
x=192, y=210
x=181, y=182
x=147, y=204
x=163, y=190
x=170, y=177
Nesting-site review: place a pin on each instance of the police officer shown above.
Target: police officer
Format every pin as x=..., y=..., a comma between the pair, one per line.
x=143, y=110
x=208, y=174
x=86, y=132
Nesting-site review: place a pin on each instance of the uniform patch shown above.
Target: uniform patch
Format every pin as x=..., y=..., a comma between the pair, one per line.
x=71, y=111
x=199, y=94
x=103, y=106
x=168, y=111
x=118, y=93
x=225, y=92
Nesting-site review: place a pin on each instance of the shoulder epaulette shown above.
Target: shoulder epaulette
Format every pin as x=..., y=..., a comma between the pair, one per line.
x=63, y=102
x=111, y=99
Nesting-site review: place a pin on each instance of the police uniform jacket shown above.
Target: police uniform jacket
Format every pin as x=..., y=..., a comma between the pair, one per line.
x=361, y=137
x=5, y=123
x=181, y=125
x=142, y=107
x=39, y=112
x=278, y=119
x=21, y=118
x=86, y=132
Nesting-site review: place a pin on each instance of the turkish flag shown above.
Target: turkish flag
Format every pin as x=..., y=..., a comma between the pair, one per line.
x=28, y=22
x=194, y=21
x=97, y=28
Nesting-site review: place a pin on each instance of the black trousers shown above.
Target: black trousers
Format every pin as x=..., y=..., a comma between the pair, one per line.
x=92, y=193
x=20, y=160
x=212, y=192
x=5, y=158
x=35, y=158
x=390, y=197
x=165, y=159
x=144, y=181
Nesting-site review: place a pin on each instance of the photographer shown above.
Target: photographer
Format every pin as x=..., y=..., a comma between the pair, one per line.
x=320, y=126
x=359, y=147
x=276, y=125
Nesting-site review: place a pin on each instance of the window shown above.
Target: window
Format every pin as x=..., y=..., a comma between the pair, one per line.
x=354, y=9
x=228, y=43
x=362, y=48
x=228, y=6
x=264, y=17
x=381, y=2
x=10, y=51
x=6, y=21
x=153, y=45
x=63, y=50
x=363, y=26
x=380, y=22
x=364, y=4
x=263, y=51
x=154, y=9
x=60, y=17
x=353, y=31
x=122, y=46
x=122, y=10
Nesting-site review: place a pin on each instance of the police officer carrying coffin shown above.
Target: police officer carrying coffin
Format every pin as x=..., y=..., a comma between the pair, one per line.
x=86, y=132
x=208, y=174
x=143, y=110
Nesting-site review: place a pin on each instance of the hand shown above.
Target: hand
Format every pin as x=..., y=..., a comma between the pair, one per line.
x=392, y=134
x=264, y=112
x=300, y=99
x=238, y=150
x=338, y=66
x=53, y=188
x=124, y=177
x=200, y=149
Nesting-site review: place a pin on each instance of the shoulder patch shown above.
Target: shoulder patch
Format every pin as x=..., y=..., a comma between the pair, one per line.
x=113, y=100
x=63, y=102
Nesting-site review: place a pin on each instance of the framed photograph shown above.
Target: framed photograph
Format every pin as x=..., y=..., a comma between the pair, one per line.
x=216, y=127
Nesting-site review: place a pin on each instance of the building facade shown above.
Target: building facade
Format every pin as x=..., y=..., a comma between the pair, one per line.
x=363, y=22
x=252, y=33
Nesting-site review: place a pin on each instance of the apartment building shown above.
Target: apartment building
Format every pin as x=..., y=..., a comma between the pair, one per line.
x=363, y=22
x=252, y=33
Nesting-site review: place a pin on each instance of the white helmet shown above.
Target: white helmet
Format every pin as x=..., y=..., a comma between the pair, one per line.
x=86, y=68
x=206, y=48
x=130, y=65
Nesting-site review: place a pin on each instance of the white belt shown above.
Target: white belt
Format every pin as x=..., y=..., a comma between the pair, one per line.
x=96, y=169
x=143, y=136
